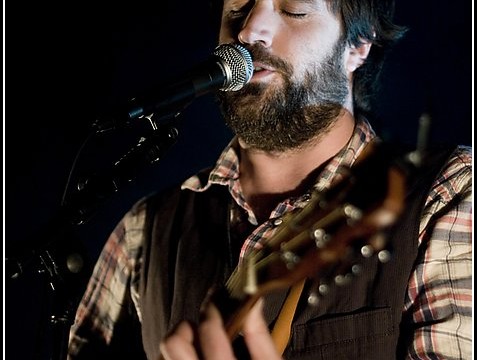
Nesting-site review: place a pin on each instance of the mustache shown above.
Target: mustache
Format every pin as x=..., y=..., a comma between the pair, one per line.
x=260, y=54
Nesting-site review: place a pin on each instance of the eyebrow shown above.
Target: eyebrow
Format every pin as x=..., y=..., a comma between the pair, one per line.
x=319, y=4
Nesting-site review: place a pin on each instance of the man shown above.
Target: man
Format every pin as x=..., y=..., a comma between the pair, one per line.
x=299, y=122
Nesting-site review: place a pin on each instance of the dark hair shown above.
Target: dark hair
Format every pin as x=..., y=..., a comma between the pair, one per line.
x=368, y=20
x=363, y=20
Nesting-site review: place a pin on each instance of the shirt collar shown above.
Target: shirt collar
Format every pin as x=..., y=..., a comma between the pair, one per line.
x=226, y=170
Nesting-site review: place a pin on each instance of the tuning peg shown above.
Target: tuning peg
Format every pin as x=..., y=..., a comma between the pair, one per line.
x=367, y=251
x=356, y=269
x=323, y=289
x=321, y=237
x=353, y=213
x=290, y=259
x=317, y=290
x=384, y=256
x=342, y=280
x=313, y=299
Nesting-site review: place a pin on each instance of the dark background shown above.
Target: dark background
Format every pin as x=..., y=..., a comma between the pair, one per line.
x=66, y=63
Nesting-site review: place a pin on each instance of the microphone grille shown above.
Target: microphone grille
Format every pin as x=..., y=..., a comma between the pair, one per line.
x=237, y=63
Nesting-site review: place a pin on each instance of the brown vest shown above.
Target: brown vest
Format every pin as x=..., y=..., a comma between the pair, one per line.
x=188, y=249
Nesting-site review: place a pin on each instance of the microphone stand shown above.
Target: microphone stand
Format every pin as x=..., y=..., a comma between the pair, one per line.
x=63, y=264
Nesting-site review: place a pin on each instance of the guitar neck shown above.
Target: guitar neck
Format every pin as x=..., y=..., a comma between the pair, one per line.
x=232, y=310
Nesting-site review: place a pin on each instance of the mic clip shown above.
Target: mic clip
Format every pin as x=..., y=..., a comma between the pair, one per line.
x=94, y=189
x=151, y=121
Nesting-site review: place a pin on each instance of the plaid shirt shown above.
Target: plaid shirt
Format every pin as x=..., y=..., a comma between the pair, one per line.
x=439, y=294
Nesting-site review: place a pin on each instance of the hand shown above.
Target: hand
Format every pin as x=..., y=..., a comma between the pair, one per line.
x=210, y=341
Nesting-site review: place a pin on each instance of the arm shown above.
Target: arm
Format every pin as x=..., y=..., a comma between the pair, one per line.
x=107, y=310
x=439, y=298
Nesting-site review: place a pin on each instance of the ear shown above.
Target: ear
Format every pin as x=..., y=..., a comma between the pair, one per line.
x=356, y=55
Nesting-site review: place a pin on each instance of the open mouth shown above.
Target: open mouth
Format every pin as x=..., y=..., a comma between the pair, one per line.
x=260, y=69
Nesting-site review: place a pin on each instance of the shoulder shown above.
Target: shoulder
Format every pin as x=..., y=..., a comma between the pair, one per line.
x=136, y=215
x=449, y=201
x=455, y=176
x=460, y=159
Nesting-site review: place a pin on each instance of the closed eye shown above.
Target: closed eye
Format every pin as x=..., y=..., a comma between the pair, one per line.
x=293, y=15
x=237, y=13
x=240, y=12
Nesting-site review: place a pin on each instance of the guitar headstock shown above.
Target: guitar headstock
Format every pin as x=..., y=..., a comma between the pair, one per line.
x=336, y=226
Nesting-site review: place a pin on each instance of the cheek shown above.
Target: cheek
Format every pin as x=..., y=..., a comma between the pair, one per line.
x=305, y=47
x=305, y=58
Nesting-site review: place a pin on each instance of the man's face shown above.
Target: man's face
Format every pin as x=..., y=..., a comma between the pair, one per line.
x=299, y=83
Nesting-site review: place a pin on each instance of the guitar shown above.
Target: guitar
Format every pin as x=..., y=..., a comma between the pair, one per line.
x=323, y=239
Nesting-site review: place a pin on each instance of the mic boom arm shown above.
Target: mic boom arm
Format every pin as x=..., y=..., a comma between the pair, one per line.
x=229, y=68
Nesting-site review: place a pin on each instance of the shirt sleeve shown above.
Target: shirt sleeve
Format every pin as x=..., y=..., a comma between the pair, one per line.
x=111, y=293
x=439, y=297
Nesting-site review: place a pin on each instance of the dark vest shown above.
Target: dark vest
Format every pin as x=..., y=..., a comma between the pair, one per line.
x=188, y=249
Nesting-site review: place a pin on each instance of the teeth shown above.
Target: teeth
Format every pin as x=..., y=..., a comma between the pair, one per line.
x=257, y=68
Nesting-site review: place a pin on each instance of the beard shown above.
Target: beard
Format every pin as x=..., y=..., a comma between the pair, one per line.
x=276, y=119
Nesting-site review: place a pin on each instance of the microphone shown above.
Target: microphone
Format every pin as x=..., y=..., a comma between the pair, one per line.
x=229, y=68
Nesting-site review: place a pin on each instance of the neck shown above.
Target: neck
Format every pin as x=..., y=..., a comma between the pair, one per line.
x=267, y=178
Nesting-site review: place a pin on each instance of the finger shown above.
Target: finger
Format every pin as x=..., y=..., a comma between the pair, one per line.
x=214, y=342
x=179, y=344
x=257, y=335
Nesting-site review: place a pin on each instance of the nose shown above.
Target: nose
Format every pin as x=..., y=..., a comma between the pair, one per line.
x=258, y=27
